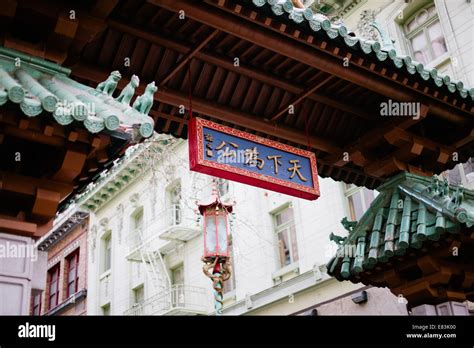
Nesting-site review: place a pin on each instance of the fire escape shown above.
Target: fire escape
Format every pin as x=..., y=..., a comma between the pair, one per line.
x=148, y=246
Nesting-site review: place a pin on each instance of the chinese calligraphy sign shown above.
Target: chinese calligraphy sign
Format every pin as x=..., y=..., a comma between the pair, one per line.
x=243, y=157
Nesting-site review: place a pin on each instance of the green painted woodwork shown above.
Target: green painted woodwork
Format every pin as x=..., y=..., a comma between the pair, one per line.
x=43, y=87
x=383, y=51
x=409, y=211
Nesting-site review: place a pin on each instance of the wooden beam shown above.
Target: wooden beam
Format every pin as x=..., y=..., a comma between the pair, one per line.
x=192, y=52
x=227, y=64
x=465, y=140
x=220, y=112
x=373, y=138
x=46, y=203
x=103, y=8
x=27, y=185
x=302, y=96
x=400, y=137
x=71, y=166
x=237, y=117
x=18, y=227
x=254, y=33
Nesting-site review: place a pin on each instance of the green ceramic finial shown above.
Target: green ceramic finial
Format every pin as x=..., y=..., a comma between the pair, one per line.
x=336, y=239
x=348, y=225
x=144, y=102
x=387, y=42
x=108, y=86
x=129, y=90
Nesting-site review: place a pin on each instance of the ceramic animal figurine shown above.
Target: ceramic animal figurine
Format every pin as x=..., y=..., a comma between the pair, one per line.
x=144, y=102
x=108, y=86
x=129, y=90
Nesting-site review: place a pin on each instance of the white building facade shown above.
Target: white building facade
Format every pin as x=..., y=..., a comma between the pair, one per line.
x=145, y=242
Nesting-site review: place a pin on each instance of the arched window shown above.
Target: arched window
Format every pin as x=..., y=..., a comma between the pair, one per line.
x=425, y=35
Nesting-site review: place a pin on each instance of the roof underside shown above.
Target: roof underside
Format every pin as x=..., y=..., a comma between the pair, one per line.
x=280, y=63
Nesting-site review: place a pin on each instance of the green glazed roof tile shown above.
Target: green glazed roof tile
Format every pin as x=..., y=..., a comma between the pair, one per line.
x=409, y=211
x=318, y=22
x=43, y=87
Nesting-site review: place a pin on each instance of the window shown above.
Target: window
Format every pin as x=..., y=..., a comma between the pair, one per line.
x=73, y=273
x=177, y=275
x=359, y=200
x=139, y=294
x=223, y=187
x=36, y=303
x=177, y=279
x=53, y=286
x=286, y=234
x=174, y=194
x=137, y=220
x=107, y=252
x=425, y=35
x=229, y=285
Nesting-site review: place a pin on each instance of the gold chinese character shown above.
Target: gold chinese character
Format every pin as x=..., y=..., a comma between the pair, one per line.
x=227, y=151
x=209, y=139
x=276, y=162
x=296, y=170
x=223, y=143
x=209, y=152
x=251, y=158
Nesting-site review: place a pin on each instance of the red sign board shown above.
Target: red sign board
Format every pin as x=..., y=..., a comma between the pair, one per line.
x=239, y=156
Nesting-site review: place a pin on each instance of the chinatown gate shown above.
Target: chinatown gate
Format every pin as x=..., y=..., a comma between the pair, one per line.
x=270, y=69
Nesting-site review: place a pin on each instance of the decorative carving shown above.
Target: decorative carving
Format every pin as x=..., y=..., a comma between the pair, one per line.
x=94, y=124
x=444, y=187
x=108, y=86
x=433, y=188
x=129, y=90
x=31, y=106
x=456, y=198
x=364, y=26
x=144, y=102
x=337, y=239
x=134, y=199
x=387, y=41
x=104, y=223
x=120, y=212
x=348, y=225
x=92, y=241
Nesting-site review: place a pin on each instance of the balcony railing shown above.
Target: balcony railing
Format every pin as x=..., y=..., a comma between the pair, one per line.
x=180, y=299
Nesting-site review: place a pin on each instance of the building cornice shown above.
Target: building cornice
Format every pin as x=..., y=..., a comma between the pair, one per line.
x=122, y=174
x=62, y=228
x=305, y=281
x=81, y=294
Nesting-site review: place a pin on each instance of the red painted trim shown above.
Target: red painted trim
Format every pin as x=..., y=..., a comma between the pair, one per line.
x=199, y=164
x=217, y=234
x=206, y=253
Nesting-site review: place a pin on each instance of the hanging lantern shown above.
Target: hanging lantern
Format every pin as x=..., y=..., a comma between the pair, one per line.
x=216, y=256
x=216, y=231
